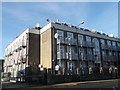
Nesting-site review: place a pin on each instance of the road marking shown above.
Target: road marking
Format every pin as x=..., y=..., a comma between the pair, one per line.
x=85, y=82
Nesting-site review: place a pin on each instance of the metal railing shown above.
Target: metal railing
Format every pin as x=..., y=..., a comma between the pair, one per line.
x=71, y=41
x=108, y=58
x=86, y=43
x=118, y=48
x=61, y=55
x=113, y=48
x=87, y=57
x=63, y=40
x=65, y=55
x=108, y=47
x=73, y=56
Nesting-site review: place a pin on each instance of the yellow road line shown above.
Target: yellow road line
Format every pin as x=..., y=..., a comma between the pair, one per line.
x=75, y=83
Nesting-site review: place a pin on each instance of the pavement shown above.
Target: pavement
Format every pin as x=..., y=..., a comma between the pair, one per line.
x=112, y=84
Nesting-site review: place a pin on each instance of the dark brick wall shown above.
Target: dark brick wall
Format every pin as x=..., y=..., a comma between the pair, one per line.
x=34, y=49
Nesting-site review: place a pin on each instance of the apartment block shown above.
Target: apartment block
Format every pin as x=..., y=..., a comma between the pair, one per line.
x=64, y=49
x=76, y=49
x=22, y=53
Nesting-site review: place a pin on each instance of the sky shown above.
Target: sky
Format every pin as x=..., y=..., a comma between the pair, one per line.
x=18, y=16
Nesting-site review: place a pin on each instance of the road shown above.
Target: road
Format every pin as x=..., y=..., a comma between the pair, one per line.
x=87, y=85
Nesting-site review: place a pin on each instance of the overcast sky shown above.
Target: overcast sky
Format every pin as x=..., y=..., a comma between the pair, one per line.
x=16, y=17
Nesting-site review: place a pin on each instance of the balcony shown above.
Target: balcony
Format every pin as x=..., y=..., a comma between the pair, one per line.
x=15, y=61
x=71, y=41
x=62, y=41
x=87, y=57
x=24, y=45
x=90, y=57
x=61, y=56
x=110, y=58
x=73, y=56
x=86, y=44
x=115, y=58
x=90, y=44
x=67, y=56
x=106, y=47
x=104, y=58
x=118, y=48
x=23, y=60
x=113, y=48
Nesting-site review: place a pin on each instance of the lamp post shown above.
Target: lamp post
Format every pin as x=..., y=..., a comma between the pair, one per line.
x=80, y=23
x=81, y=43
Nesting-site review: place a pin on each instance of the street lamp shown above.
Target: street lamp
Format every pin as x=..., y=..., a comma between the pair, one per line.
x=81, y=43
x=80, y=23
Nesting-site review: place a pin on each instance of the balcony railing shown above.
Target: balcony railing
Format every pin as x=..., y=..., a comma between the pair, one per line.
x=87, y=57
x=67, y=56
x=86, y=44
x=90, y=44
x=61, y=56
x=115, y=58
x=110, y=58
x=23, y=59
x=113, y=48
x=61, y=40
x=108, y=47
x=118, y=48
x=73, y=56
x=24, y=45
x=105, y=47
x=70, y=41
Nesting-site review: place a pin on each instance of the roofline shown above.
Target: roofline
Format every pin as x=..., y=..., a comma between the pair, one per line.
x=77, y=30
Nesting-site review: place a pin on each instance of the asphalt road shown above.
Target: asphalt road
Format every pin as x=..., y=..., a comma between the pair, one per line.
x=87, y=85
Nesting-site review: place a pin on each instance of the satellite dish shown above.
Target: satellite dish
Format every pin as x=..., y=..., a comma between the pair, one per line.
x=101, y=32
x=111, y=35
x=48, y=20
x=57, y=20
x=94, y=31
x=56, y=35
x=57, y=67
x=37, y=25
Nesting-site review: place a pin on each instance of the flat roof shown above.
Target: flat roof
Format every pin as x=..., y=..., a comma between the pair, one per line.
x=66, y=27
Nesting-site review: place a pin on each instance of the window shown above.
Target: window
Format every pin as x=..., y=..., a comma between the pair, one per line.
x=108, y=43
x=96, y=49
x=60, y=34
x=118, y=44
x=88, y=38
x=80, y=37
x=102, y=42
x=113, y=43
x=69, y=35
